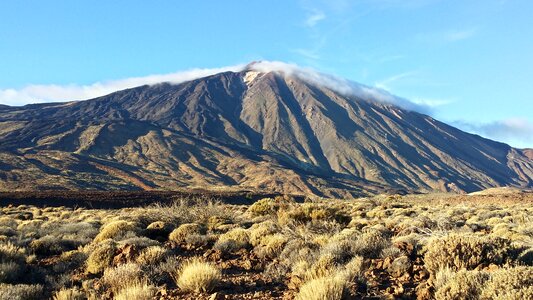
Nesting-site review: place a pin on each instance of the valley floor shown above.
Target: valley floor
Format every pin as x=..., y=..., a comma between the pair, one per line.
x=434, y=246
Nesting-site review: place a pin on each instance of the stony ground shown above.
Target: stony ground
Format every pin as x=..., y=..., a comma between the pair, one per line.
x=431, y=246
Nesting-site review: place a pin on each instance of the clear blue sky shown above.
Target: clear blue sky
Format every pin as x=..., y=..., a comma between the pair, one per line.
x=471, y=60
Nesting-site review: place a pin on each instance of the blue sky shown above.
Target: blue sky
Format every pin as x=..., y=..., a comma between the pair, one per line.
x=471, y=61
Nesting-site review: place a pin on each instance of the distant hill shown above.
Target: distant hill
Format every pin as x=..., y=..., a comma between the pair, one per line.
x=247, y=130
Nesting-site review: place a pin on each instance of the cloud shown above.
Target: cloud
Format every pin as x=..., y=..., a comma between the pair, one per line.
x=314, y=17
x=37, y=93
x=448, y=36
x=59, y=93
x=309, y=54
x=338, y=84
x=431, y=102
x=515, y=131
x=458, y=35
x=384, y=84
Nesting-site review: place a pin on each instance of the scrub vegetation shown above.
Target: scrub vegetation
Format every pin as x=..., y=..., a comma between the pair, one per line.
x=431, y=246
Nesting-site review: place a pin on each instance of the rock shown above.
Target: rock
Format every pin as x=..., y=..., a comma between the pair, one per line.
x=125, y=254
x=400, y=266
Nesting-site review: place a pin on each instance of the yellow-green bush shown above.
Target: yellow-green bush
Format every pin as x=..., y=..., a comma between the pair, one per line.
x=101, y=257
x=324, y=288
x=233, y=240
x=466, y=251
x=69, y=294
x=509, y=284
x=179, y=234
x=114, y=229
x=196, y=275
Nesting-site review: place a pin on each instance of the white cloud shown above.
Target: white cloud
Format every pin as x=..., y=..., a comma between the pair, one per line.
x=38, y=93
x=338, y=84
x=458, y=35
x=431, y=102
x=384, y=84
x=514, y=131
x=315, y=17
x=309, y=54
x=59, y=93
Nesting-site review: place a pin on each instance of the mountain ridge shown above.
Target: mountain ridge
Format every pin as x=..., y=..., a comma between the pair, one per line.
x=247, y=130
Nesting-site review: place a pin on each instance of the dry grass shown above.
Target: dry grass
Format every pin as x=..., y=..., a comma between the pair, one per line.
x=323, y=288
x=196, y=275
x=417, y=246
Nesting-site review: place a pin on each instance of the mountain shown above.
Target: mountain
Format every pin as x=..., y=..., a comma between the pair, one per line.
x=252, y=129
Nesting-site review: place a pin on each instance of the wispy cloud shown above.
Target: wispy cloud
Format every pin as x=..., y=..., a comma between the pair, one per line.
x=385, y=83
x=307, y=53
x=515, y=131
x=432, y=102
x=314, y=17
x=447, y=36
x=37, y=93
x=339, y=84
x=458, y=35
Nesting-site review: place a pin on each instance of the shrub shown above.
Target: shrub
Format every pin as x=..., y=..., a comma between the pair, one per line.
x=354, y=270
x=198, y=276
x=271, y=245
x=69, y=294
x=10, y=271
x=136, y=291
x=179, y=234
x=10, y=252
x=122, y=276
x=263, y=207
x=465, y=252
x=461, y=285
x=21, y=291
x=324, y=288
x=115, y=229
x=507, y=284
x=369, y=244
x=152, y=255
x=233, y=240
x=101, y=257
x=259, y=230
x=51, y=245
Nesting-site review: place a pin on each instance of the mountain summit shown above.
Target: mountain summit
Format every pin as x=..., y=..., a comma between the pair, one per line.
x=281, y=130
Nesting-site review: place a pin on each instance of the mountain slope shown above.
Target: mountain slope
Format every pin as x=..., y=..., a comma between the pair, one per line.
x=246, y=130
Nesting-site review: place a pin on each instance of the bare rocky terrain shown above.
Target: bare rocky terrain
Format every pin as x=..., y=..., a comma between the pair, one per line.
x=247, y=130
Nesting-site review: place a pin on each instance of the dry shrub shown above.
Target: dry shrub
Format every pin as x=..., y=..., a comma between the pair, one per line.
x=21, y=291
x=324, y=288
x=264, y=207
x=233, y=240
x=11, y=271
x=196, y=275
x=271, y=245
x=115, y=229
x=51, y=245
x=354, y=270
x=69, y=294
x=122, y=276
x=152, y=255
x=311, y=212
x=259, y=230
x=179, y=234
x=9, y=252
x=461, y=285
x=369, y=244
x=466, y=252
x=136, y=291
x=510, y=284
x=101, y=257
